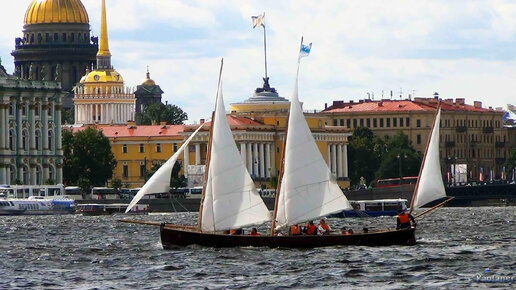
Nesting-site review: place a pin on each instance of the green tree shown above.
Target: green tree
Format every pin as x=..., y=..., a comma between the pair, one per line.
x=159, y=112
x=400, y=158
x=510, y=163
x=87, y=156
x=364, y=155
x=116, y=184
x=67, y=116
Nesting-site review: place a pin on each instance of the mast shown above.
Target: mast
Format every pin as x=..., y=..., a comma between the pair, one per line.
x=424, y=159
x=208, y=154
x=265, y=47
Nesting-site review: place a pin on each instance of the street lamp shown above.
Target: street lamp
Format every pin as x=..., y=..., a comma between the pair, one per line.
x=399, y=163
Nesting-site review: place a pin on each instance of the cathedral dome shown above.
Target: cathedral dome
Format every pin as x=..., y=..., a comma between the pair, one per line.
x=102, y=76
x=56, y=11
x=148, y=82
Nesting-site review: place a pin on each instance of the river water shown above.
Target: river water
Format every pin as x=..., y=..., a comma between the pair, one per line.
x=75, y=252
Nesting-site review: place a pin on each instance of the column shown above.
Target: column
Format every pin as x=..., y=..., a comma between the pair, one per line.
x=268, y=168
x=76, y=115
x=243, y=152
x=186, y=160
x=329, y=156
x=339, y=160
x=44, y=128
x=197, y=154
x=4, y=131
x=32, y=176
x=273, y=158
x=262, y=160
x=255, y=159
x=334, y=159
x=59, y=174
x=345, y=160
x=249, y=158
x=58, y=129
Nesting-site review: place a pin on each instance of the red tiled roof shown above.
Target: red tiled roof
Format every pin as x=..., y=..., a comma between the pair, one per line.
x=400, y=106
x=112, y=131
x=238, y=121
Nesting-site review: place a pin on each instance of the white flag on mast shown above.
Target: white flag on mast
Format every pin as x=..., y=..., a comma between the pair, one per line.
x=305, y=50
x=258, y=20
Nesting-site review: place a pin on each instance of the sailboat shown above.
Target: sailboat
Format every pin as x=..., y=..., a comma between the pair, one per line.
x=430, y=187
x=307, y=191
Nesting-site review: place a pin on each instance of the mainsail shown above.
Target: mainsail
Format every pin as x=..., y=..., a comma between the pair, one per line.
x=230, y=197
x=160, y=180
x=308, y=190
x=430, y=185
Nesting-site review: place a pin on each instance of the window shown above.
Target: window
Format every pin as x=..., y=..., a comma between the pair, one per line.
x=51, y=172
x=125, y=171
x=368, y=121
x=394, y=122
x=407, y=122
x=142, y=170
x=24, y=140
x=50, y=110
x=418, y=123
x=361, y=122
x=334, y=122
x=24, y=109
x=158, y=147
x=348, y=123
x=342, y=122
x=175, y=147
x=11, y=109
x=142, y=148
x=11, y=140
x=124, y=148
x=50, y=141
x=388, y=122
x=381, y=122
x=56, y=37
x=64, y=37
x=374, y=123
x=37, y=111
x=418, y=139
x=401, y=122
x=355, y=123
x=37, y=139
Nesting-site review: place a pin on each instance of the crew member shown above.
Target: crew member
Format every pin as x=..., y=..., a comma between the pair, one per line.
x=310, y=228
x=254, y=232
x=404, y=220
x=324, y=228
x=295, y=230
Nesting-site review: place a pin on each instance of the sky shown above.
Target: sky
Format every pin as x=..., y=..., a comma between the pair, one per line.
x=460, y=49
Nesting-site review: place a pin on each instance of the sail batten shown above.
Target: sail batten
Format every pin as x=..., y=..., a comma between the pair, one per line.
x=230, y=197
x=430, y=185
x=308, y=190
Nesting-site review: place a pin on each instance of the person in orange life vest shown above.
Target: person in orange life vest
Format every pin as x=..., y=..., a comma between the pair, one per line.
x=324, y=228
x=350, y=232
x=254, y=232
x=295, y=230
x=404, y=220
x=236, y=232
x=310, y=228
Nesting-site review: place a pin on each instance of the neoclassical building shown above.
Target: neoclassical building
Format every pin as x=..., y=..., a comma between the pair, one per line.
x=100, y=97
x=30, y=131
x=56, y=43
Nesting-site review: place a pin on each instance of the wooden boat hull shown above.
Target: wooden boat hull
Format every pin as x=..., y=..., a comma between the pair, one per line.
x=172, y=237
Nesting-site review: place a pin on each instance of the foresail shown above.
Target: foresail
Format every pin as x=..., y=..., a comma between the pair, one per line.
x=308, y=190
x=160, y=180
x=431, y=186
x=230, y=199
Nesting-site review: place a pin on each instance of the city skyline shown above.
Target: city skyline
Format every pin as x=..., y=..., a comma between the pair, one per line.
x=459, y=49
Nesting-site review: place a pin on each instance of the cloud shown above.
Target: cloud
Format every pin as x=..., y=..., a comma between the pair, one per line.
x=457, y=48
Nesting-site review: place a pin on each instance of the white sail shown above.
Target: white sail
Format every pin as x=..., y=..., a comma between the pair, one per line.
x=307, y=190
x=160, y=180
x=431, y=186
x=230, y=199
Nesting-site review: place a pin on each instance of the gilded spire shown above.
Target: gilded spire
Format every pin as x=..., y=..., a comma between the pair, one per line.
x=103, y=56
x=103, y=44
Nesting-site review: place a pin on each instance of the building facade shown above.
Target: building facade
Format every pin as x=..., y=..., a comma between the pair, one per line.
x=100, y=97
x=30, y=131
x=147, y=93
x=470, y=134
x=56, y=44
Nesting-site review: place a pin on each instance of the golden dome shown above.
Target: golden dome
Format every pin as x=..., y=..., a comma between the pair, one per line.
x=148, y=81
x=102, y=76
x=56, y=11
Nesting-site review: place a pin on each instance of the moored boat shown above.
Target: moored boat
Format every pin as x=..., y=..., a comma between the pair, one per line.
x=96, y=209
x=48, y=200
x=374, y=208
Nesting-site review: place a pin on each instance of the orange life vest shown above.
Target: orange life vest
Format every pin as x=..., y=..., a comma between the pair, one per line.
x=294, y=230
x=325, y=227
x=310, y=229
x=404, y=218
x=232, y=232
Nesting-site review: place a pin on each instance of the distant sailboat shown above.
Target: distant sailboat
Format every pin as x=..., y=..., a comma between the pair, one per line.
x=430, y=186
